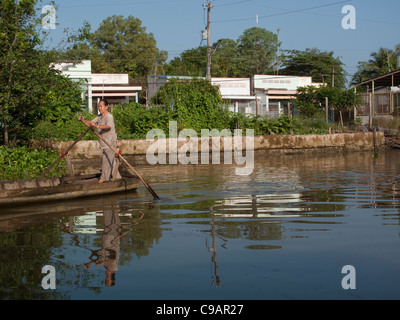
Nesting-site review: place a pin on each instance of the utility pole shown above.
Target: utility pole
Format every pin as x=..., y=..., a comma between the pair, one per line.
x=208, y=73
x=277, y=56
x=333, y=76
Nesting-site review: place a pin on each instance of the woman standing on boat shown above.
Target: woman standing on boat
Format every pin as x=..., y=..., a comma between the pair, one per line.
x=104, y=123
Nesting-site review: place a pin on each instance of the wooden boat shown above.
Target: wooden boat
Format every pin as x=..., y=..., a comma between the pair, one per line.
x=21, y=192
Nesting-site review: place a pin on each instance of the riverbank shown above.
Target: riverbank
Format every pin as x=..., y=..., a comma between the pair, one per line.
x=359, y=141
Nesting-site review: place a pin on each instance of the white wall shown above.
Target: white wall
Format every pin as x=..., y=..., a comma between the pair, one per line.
x=110, y=78
x=232, y=86
x=280, y=82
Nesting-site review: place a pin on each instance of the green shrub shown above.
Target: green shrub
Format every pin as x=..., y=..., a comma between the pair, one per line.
x=66, y=128
x=194, y=104
x=313, y=125
x=26, y=163
x=133, y=121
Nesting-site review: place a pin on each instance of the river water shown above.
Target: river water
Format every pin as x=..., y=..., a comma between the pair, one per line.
x=301, y=226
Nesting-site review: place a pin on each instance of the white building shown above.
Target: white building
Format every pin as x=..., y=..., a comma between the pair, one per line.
x=114, y=87
x=236, y=92
x=275, y=92
x=260, y=95
x=80, y=72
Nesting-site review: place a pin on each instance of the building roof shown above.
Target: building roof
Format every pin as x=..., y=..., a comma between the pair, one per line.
x=391, y=79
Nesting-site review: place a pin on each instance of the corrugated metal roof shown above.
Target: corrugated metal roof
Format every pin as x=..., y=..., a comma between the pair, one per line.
x=391, y=79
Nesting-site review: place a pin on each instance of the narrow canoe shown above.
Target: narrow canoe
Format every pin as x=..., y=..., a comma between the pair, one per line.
x=21, y=192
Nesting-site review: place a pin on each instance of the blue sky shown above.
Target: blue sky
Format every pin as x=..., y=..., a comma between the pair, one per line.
x=177, y=24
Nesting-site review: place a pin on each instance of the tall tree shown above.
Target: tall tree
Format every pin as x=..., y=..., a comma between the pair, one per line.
x=321, y=66
x=311, y=100
x=191, y=62
x=125, y=46
x=257, y=48
x=253, y=53
x=17, y=38
x=225, y=59
x=27, y=84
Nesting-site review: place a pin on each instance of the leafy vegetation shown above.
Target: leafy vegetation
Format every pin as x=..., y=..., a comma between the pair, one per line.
x=320, y=65
x=133, y=121
x=254, y=52
x=25, y=163
x=193, y=104
x=64, y=128
x=312, y=100
x=381, y=62
x=29, y=89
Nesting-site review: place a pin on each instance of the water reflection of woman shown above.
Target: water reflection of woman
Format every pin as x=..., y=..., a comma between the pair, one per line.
x=108, y=255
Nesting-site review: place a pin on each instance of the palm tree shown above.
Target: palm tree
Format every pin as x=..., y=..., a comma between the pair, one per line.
x=381, y=62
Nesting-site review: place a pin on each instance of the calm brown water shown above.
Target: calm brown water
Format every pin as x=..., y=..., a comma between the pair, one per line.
x=283, y=232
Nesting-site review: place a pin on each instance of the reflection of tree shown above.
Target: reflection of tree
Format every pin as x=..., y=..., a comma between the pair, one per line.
x=24, y=252
x=144, y=234
x=324, y=200
x=249, y=229
x=127, y=231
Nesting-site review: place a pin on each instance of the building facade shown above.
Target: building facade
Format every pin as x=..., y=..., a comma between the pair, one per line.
x=114, y=87
x=275, y=93
x=260, y=95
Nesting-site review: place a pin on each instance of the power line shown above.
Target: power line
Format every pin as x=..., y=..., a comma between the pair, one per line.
x=284, y=13
x=232, y=4
x=117, y=4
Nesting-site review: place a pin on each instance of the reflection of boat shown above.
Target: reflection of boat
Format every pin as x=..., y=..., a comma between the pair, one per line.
x=30, y=191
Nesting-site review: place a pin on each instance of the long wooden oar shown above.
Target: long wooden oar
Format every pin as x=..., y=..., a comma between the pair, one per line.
x=63, y=154
x=126, y=162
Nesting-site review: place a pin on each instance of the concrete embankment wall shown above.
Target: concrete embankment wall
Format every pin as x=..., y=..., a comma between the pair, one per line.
x=359, y=141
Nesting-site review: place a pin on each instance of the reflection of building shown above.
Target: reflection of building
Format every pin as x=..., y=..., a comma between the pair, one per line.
x=114, y=87
x=85, y=224
x=259, y=95
x=260, y=206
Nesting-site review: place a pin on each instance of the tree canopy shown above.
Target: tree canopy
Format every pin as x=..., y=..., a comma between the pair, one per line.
x=311, y=99
x=381, y=62
x=254, y=52
x=321, y=66
x=29, y=88
x=119, y=45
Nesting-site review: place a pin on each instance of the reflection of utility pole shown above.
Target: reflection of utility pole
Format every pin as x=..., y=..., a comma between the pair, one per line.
x=209, y=7
x=218, y=281
x=213, y=249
